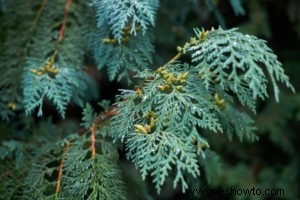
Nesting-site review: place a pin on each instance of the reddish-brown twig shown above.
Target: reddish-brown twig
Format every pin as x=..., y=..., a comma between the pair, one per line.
x=60, y=168
x=103, y=116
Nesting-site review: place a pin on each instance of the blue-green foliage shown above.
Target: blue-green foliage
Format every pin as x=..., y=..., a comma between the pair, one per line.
x=33, y=47
x=17, y=161
x=38, y=182
x=93, y=178
x=63, y=57
x=121, y=59
x=82, y=176
x=165, y=115
x=123, y=43
x=119, y=14
x=237, y=62
x=174, y=141
x=11, y=149
x=57, y=88
x=88, y=116
x=235, y=121
x=31, y=170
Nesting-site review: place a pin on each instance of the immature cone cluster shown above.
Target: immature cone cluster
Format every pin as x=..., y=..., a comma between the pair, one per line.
x=201, y=37
x=145, y=129
x=12, y=106
x=171, y=81
x=200, y=145
x=48, y=68
x=221, y=103
x=125, y=37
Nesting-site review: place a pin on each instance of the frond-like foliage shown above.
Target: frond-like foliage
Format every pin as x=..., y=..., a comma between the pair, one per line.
x=163, y=118
x=60, y=168
x=67, y=170
x=40, y=183
x=57, y=85
x=119, y=15
x=237, y=63
x=132, y=55
x=165, y=114
x=53, y=66
x=90, y=178
x=123, y=43
x=236, y=122
x=88, y=116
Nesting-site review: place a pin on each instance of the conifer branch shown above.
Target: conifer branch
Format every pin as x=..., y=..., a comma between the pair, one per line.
x=60, y=169
x=112, y=111
x=181, y=50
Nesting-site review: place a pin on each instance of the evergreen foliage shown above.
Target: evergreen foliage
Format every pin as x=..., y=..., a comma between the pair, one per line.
x=119, y=14
x=162, y=116
x=169, y=126
x=130, y=47
x=235, y=61
x=54, y=72
x=121, y=60
x=10, y=79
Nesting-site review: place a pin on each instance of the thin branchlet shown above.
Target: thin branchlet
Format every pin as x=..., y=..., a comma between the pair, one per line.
x=64, y=21
x=60, y=169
